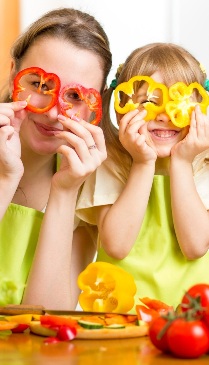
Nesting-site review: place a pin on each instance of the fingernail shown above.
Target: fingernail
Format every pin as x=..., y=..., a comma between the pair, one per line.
x=74, y=117
x=22, y=103
x=61, y=117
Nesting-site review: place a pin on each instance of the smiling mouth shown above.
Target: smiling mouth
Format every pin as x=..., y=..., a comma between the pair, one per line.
x=48, y=128
x=160, y=133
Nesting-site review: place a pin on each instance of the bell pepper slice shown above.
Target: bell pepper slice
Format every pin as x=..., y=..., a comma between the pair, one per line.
x=151, y=309
x=44, y=78
x=90, y=96
x=155, y=304
x=180, y=107
x=106, y=288
x=20, y=328
x=20, y=318
x=66, y=333
x=128, y=88
x=54, y=321
x=146, y=314
x=5, y=325
x=48, y=84
x=119, y=319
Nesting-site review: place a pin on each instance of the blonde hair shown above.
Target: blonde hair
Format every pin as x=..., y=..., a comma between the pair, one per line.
x=173, y=61
x=77, y=27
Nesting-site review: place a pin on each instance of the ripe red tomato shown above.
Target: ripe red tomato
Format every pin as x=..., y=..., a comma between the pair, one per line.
x=198, y=290
x=156, y=327
x=188, y=339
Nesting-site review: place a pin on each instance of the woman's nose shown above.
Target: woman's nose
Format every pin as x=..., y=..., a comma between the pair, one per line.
x=54, y=111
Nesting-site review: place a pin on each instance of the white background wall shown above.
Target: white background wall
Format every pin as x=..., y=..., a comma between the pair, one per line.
x=133, y=23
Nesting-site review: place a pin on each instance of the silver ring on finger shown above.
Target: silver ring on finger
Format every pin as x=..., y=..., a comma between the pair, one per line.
x=92, y=147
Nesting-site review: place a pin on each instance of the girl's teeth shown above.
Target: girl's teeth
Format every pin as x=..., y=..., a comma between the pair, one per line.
x=164, y=134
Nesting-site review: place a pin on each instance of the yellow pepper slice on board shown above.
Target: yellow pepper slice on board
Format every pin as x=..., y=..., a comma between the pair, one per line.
x=180, y=107
x=153, y=109
x=20, y=318
x=106, y=288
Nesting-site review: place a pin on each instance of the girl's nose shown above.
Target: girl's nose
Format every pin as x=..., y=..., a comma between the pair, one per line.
x=163, y=117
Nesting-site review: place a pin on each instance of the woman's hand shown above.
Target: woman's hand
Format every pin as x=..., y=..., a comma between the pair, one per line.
x=133, y=139
x=83, y=152
x=197, y=139
x=11, y=117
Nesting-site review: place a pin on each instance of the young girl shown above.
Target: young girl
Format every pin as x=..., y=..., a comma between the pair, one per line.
x=150, y=197
x=38, y=251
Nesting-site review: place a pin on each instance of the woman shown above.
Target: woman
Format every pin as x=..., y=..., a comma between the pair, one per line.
x=39, y=190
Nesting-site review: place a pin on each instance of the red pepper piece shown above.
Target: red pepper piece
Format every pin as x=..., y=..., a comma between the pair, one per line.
x=44, y=78
x=51, y=340
x=20, y=328
x=54, y=321
x=66, y=333
x=82, y=94
x=146, y=314
x=155, y=304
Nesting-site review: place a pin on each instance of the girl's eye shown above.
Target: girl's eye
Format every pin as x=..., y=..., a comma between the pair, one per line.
x=149, y=101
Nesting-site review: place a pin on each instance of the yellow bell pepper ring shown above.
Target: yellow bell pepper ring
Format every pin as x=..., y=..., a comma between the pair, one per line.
x=128, y=88
x=106, y=288
x=181, y=106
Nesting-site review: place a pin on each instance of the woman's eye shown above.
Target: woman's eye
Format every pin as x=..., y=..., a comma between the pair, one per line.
x=75, y=96
x=36, y=84
x=72, y=96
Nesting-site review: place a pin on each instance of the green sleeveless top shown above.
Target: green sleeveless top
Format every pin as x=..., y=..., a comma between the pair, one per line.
x=156, y=262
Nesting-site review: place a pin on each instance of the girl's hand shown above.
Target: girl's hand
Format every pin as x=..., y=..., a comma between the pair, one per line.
x=11, y=117
x=83, y=152
x=197, y=139
x=133, y=139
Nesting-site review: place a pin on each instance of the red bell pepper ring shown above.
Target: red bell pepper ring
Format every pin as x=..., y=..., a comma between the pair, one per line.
x=44, y=78
x=85, y=95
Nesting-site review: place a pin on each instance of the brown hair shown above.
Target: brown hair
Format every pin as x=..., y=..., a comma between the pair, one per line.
x=175, y=63
x=75, y=26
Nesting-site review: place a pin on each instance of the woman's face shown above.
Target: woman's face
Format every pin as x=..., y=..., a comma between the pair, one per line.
x=71, y=65
x=161, y=133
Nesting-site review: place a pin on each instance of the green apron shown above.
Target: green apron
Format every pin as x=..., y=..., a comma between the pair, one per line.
x=19, y=230
x=156, y=262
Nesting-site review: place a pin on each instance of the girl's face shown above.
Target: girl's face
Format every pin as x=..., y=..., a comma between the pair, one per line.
x=161, y=133
x=71, y=65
